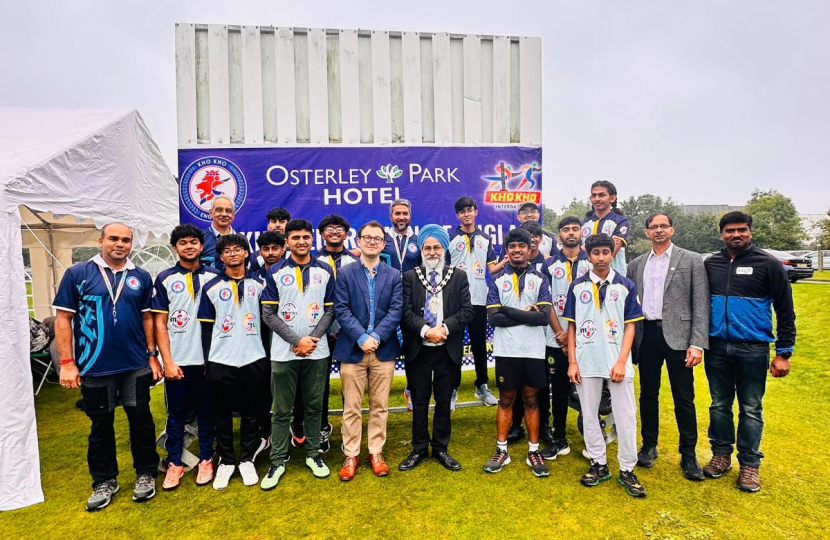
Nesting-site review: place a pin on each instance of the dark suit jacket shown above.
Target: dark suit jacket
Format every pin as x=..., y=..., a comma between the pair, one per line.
x=351, y=309
x=458, y=313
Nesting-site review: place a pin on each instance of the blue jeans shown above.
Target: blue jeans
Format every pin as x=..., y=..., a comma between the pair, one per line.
x=737, y=368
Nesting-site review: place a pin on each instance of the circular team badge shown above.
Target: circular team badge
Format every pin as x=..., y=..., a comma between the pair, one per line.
x=588, y=329
x=177, y=286
x=459, y=246
x=314, y=312
x=225, y=295
x=612, y=330
x=413, y=248
x=586, y=232
x=287, y=280
x=559, y=273
x=133, y=283
x=559, y=302
x=506, y=286
x=289, y=312
x=179, y=319
x=585, y=297
x=205, y=179
x=249, y=323
x=227, y=324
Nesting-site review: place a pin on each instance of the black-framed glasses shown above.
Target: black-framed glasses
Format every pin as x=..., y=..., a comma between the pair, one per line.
x=663, y=226
x=373, y=239
x=332, y=229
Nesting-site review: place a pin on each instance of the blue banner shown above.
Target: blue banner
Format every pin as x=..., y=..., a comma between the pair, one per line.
x=360, y=182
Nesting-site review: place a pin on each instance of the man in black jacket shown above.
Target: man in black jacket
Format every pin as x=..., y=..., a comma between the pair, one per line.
x=744, y=282
x=436, y=309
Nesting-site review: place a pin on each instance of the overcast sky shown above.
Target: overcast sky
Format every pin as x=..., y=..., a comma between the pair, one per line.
x=700, y=101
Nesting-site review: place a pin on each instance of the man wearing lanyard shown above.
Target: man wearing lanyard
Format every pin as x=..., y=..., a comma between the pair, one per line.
x=104, y=304
x=179, y=337
x=222, y=213
x=401, y=249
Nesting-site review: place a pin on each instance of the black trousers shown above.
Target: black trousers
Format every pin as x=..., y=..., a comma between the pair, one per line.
x=653, y=351
x=432, y=371
x=553, y=399
x=237, y=389
x=101, y=396
x=477, y=332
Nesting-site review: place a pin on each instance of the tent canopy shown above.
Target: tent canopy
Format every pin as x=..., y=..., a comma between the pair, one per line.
x=101, y=165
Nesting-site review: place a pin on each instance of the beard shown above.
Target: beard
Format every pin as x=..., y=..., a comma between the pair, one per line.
x=432, y=264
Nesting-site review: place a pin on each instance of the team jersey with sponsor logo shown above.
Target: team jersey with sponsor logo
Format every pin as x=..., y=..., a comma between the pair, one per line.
x=301, y=294
x=599, y=310
x=472, y=252
x=233, y=307
x=519, y=289
x=336, y=261
x=177, y=293
x=106, y=341
x=614, y=225
x=562, y=272
x=549, y=246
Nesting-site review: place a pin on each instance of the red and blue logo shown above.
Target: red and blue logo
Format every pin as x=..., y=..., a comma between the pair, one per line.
x=207, y=178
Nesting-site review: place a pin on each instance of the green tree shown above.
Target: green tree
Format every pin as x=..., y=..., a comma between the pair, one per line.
x=775, y=221
x=824, y=228
x=550, y=217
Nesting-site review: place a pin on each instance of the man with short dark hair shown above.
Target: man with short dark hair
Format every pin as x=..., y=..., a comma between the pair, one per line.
x=471, y=250
x=278, y=218
x=518, y=307
x=675, y=299
x=103, y=305
x=745, y=283
x=237, y=370
x=222, y=212
x=297, y=306
x=179, y=337
x=400, y=251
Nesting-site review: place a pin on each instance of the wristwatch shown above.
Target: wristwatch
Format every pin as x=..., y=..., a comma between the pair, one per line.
x=152, y=353
x=786, y=355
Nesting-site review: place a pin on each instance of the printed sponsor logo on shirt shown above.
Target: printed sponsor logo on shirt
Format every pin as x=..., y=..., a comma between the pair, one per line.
x=289, y=312
x=586, y=297
x=251, y=291
x=317, y=279
x=228, y=324
x=744, y=270
x=478, y=244
x=581, y=272
x=314, y=312
x=612, y=330
x=177, y=286
x=287, y=280
x=614, y=296
x=462, y=266
x=133, y=283
x=559, y=302
x=588, y=329
x=559, y=273
x=531, y=285
x=623, y=229
x=478, y=270
x=225, y=295
x=179, y=319
x=249, y=323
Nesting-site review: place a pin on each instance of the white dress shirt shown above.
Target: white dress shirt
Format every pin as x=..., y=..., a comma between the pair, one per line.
x=654, y=282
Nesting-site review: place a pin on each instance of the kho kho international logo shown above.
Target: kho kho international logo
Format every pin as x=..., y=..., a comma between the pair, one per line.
x=512, y=186
x=207, y=178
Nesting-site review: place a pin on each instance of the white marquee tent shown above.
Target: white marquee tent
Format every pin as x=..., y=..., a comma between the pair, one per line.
x=101, y=165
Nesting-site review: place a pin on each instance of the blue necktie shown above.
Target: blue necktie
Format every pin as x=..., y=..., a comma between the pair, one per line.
x=430, y=317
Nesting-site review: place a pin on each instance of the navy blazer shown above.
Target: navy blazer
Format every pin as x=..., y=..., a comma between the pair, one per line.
x=351, y=309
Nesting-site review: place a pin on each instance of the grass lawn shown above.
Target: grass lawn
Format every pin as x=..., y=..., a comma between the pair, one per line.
x=821, y=276
x=430, y=502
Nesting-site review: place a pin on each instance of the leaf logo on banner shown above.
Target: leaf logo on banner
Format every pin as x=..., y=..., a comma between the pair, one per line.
x=389, y=172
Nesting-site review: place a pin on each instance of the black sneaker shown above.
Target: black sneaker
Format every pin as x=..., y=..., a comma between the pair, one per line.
x=515, y=434
x=500, y=459
x=546, y=434
x=325, y=445
x=691, y=469
x=559, y=447
x=596, y=474
x=646, y=457
x=102, y=494
x=632, y=486
x=537, y=464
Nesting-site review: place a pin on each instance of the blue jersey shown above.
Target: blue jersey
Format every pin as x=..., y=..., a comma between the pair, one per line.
x=600, y=310
x=401, y=252
x=614, y=225
x=107, y=340
x=233, y=308
x=177, y=293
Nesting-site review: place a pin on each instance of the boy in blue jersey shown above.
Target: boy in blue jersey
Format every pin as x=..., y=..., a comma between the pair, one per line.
x=297, y=306
x=176, y=298
x=518, y=307
x=103, y=305
x=277, y=218
x=601, y=310
x=604, y=217
x=237, y=370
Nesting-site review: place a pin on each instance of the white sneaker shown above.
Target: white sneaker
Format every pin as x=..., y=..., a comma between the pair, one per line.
x=486, y=396
x=264, y=444
x=223, y=476
x=248, y=472
x=453, y=400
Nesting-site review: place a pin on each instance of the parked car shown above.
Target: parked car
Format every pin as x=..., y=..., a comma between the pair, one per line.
x=796, y=267
x=813, y=256
x=799, y=252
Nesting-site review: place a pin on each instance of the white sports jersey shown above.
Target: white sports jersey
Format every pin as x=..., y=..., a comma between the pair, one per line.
x=614, y=225
x=562, y=273
x=472, y=253
x=519, y=290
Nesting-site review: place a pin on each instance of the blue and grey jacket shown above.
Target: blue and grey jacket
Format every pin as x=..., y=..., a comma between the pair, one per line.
x=744, y=290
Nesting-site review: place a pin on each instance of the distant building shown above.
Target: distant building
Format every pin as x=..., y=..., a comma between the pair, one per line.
x=717, y=209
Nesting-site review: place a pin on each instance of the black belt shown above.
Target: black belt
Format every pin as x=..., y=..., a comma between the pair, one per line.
x=658, y=322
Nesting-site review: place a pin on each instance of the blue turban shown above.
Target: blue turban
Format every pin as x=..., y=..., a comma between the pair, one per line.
x=436, y=231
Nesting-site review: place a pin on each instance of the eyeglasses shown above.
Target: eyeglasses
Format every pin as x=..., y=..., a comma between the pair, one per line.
x=373, y=239
x=663, y=226
x=334, y=229
x=528, y=212
x=232, y=251
x=433, y=249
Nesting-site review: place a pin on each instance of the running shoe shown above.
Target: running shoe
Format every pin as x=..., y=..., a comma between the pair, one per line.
x=537, y=464
x=498, y=461
x=102, y=495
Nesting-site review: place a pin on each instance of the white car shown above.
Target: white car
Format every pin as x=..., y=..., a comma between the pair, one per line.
x=825, y=255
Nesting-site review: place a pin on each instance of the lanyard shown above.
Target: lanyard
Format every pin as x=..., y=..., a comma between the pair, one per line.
x=402, y=253
x=114, y=296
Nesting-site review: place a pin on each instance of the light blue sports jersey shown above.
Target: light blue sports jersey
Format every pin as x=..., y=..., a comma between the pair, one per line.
x=614, y=225
x=302, y=294
x=233, y=308
x=177, y=293
x=561, y=275
x=472, y=253
x=600, y=314
x=519, y=290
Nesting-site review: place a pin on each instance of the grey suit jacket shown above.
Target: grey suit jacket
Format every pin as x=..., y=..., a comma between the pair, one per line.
x=685, y=299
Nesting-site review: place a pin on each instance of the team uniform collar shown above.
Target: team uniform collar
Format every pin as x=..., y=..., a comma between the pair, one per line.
x=668, y=252
x=182, y=270
x=510, y=269
x=599, y=281
x=595, y=217
x=225, y=277
x=99, y=260
x=408, y=234
x=294, y=264
x=324, y=251
x=459, y=232
x=561, y=257
x=217, y=234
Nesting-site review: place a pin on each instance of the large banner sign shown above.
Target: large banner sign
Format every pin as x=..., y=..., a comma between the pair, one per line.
x=360, y=182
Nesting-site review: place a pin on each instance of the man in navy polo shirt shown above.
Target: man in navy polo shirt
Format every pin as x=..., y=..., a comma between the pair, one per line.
x=401, y=248
x=222, y=213
x=104, y=304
